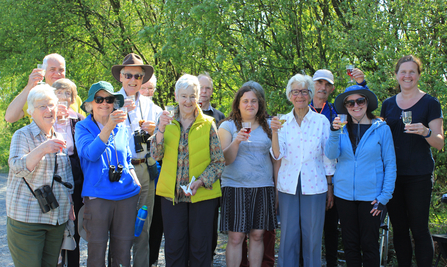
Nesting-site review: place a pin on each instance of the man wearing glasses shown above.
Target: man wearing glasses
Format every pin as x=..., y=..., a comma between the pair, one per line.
x=142, y=114
x=324, y=86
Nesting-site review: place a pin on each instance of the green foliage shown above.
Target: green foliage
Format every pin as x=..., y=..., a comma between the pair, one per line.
x=266, y=41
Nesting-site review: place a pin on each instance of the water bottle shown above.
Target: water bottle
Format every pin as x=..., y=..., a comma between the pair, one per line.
x=141, y=218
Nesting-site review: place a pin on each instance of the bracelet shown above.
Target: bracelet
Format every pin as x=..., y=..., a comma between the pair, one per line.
x=330, y=184
x=161, y=131
x=429, y=133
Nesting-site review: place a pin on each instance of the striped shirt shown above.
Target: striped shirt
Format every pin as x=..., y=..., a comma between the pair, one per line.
x=21, y=205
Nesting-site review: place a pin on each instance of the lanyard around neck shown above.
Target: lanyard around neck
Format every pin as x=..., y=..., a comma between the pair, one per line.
x=114, y=144
x=141, y=112
x=316, y=109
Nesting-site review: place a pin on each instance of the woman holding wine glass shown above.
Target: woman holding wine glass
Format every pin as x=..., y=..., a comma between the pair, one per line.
x=248, y=192
x=303, y=177
x=66, y=91
x=365, y=173
x=111, y=187
x=35, y=229
x=409, y=207
x=192, y=158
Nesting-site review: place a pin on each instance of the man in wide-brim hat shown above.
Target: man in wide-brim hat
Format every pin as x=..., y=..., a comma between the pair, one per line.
x=132, y=74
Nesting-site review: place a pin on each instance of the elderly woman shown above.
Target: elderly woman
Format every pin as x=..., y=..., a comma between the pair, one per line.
x=190, y=148
x=304, y=175
x=66, y=91
x=410, y=205
x=148, y=89
x=111, y=186
x=248, y=198
x=37, y=159
x=365, y=175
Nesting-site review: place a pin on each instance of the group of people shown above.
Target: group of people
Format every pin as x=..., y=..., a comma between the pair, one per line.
x=121, y=152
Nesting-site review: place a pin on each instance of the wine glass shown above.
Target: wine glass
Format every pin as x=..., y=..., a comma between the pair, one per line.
x=282, y=119
x=42, y=71
x=63, y=120
x=349, y=69
x=171, y=110
x=406, y=117
x=247, y=127
x=343, y=118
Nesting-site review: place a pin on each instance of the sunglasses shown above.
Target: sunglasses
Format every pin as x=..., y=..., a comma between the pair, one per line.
x=351, y=103
x=130, y=75
x=100, y=99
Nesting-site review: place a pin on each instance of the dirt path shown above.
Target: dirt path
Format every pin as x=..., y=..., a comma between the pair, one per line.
x=6, y=260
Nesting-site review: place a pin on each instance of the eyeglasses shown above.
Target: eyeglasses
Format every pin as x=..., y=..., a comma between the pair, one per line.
x=351, y=103
x=100, y=99
x=303, y=92
x=63, y=93
x=44, y=107
x=130, y=75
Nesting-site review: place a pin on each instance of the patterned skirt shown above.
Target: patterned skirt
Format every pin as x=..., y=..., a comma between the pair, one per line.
x=244, y=209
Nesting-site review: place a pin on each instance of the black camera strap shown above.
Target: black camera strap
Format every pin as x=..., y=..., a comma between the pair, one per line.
x=141, y=112
x=52, y=182
x=114, y=144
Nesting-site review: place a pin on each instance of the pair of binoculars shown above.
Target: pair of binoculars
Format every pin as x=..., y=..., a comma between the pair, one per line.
x=139, y=138
x=45, y=197
x=115, y=173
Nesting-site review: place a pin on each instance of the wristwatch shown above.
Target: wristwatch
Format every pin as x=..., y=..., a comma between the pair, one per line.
x=429, y=133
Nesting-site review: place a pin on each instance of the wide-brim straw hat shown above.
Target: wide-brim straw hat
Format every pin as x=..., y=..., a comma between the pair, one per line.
x=102, y=85
x=133, y=60
x=355, y=89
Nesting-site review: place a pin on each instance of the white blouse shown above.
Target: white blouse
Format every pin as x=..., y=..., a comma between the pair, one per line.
x=302, y=151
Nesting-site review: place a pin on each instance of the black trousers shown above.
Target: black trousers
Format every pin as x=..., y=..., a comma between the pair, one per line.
x=73, y=255
x=188, y=232
x=409, y=209
x=360, y=232
x=331, y=236
x=155, y=232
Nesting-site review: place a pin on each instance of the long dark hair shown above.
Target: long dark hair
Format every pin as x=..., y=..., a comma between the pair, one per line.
x=235, y=113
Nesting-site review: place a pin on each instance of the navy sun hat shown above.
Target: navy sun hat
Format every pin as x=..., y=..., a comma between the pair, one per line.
x=355, y=89
x=102, y=85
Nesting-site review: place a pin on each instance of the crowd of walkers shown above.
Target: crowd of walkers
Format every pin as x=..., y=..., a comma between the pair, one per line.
x=95, y=163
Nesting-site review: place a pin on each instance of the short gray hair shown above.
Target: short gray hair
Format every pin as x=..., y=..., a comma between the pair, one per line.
x=305, y=80
x=206, y=75
x=153, y=80
x=186, y=81
x=40, y=92
x=54, y=56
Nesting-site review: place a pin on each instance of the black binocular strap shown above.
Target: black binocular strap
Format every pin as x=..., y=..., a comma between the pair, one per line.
x=52, y=183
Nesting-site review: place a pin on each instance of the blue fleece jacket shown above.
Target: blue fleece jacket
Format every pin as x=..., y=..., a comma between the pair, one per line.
x=368, y=174
x=95, y=166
